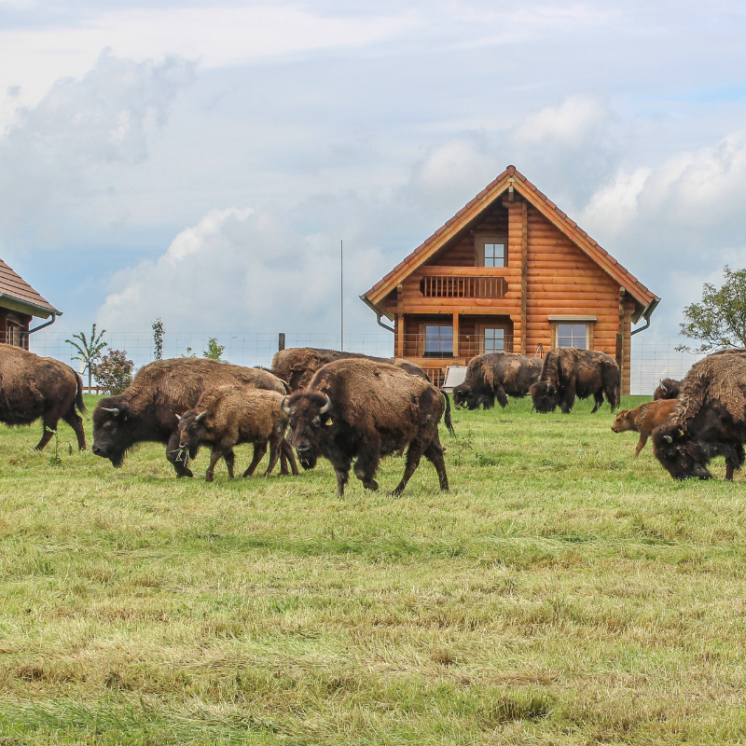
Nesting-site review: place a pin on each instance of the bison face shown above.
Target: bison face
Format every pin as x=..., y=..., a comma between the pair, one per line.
x=309, y=416
x=190, y=429
x=622, y=422
x=544, y=396
x=113, y=430
x=682, y=457
x=463, y=396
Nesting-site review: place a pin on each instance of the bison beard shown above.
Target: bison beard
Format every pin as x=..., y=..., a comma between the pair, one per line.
x=709, y=419
x=360, y=410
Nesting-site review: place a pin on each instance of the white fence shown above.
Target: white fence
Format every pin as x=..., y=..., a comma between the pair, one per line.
x=652, y=358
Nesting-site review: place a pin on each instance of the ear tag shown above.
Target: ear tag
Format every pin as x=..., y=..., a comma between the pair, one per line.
x=329, y=422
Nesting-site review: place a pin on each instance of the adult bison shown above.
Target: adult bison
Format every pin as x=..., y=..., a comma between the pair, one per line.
x=569, y=372
x=360, y=409
x=33, y=387
x=297, y=365
x=709, y=419
x=147, y=409
x=668, y=388
x=496, y=375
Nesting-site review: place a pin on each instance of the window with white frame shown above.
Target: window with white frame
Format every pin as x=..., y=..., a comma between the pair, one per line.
x=494, y=340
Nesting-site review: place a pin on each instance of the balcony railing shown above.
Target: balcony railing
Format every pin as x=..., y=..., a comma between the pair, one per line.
x=449, y=286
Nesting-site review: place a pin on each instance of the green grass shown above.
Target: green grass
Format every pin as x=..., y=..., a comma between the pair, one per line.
x=561, y=593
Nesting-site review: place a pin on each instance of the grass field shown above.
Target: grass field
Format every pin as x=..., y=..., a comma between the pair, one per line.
x=559, y=594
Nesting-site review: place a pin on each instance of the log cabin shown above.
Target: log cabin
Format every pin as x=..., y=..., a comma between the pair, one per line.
x=19, y=304
x=510, y=272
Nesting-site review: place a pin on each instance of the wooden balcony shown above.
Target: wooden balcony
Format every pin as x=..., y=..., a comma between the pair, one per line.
x=454, y=286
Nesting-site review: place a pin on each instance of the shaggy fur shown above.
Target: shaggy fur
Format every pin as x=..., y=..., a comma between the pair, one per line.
x=569, y=372
x=667, y=389
x=230, y=415
x=33, y=387
x=376, y=410
x=297, y=365
x=496, y=375
x=644, y=419
x=709, y=418
x=147, y=409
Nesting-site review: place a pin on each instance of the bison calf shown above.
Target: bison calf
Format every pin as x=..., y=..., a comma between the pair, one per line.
x=358, y=409
x=644, y=419
x=230, y=415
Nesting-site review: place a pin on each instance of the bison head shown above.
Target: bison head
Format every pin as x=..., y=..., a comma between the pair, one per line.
x=113, y=429
x=622, y=422
x=309, y=415
x=681, y=456
x=190, y=429
x=544, y=396
x=463, y=396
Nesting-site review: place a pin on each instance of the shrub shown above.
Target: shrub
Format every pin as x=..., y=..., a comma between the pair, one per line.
x=114, y=372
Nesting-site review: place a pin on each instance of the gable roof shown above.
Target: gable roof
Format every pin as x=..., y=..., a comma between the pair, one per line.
x=476, y=207
x=18, y=295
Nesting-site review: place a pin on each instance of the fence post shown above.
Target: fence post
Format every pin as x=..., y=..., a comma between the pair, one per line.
x=281, y=343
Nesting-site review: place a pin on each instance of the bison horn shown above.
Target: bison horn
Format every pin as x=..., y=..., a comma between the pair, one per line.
x=668, y=438
x=113, y=410
x=200, y=416
x=326, y=406
x=664, y=389
x=178, y=417
x=283, y=405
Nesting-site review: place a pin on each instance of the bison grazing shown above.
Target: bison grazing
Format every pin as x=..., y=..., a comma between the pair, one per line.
x=34, y=387
x=667, y=389
x=359, y=409
x=569, y=372
x=644, y=419
x=297, y=365
x=147, y=409
x=229, y=415
x=496, y=375
x=709, y=419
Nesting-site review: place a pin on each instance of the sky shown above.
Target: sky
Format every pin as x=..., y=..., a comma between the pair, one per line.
x=201, y=162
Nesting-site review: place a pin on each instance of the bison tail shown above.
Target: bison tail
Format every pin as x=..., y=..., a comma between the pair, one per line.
x=447, y=418
x=79, y=403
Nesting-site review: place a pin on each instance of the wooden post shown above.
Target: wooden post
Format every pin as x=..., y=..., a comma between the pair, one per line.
x=455, y=335
x=399, y=341
x=281, y=343
x=524, y=276
x=620, y=333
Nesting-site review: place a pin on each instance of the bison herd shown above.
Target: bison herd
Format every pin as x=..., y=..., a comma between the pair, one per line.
x=353, y=409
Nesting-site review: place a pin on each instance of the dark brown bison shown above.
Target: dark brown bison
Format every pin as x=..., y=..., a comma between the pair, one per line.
x=296, y=365
x=359, y=409
x=496, y=375
x=643, y=419
x=667, y=389
x=709, y=419
x=230, y=415
x=569, y=372
x=33, y=387
x=147, y=409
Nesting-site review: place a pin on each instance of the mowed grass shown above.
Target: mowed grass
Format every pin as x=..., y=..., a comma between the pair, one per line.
x=559, y=594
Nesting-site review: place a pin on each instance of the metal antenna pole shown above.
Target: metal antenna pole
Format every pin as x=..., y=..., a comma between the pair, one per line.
x=341, y=296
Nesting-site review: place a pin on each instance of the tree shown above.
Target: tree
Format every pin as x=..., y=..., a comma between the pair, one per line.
x=89, y=349
x=720, y=319
x=114, y=372
x=158, y=332
x=214, y=351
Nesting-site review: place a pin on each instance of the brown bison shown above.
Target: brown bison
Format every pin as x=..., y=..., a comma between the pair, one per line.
x=296, y=365
x=230, y=415
x=33, y=387
x=569, y=372
x=709, y=419
x=147, y=409
x=667, y=389
x=496, y=375
x=359, y=409
x=644, y=419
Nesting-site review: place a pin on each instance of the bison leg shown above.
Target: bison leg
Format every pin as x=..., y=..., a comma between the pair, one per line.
x=640, y=444
x=367, y=462
x=414, y=454
x=501, y=396
x=434, y=454
x=287, y=454
x=343, y=476
x=76, y=423
x=173, y=455
x=230, y=460
x=598, y=396
x=275, y=449
x=259, y=450
x=567, y=400
x=50, y=427
x=215, y=456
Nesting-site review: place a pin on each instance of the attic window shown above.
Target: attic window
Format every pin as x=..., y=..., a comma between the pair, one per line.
x=492, y=251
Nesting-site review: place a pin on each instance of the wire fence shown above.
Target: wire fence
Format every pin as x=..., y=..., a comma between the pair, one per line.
x=652, y=358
